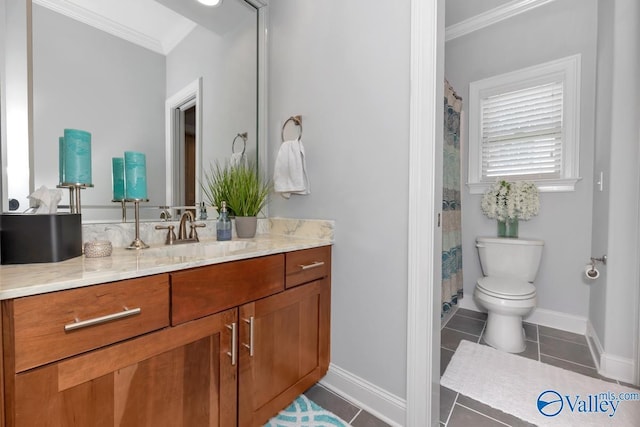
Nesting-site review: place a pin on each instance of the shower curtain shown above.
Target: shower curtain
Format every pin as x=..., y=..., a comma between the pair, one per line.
x=451, y=206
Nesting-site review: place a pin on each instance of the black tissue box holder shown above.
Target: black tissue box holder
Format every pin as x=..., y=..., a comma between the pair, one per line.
x=31, y=238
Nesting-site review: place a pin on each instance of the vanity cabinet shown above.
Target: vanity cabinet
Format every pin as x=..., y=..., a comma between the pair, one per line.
x=223, y=345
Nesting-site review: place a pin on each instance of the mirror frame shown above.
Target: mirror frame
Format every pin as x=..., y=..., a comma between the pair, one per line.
x=24, y=89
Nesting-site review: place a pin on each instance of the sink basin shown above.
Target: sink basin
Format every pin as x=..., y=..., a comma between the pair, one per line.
x=202, y=249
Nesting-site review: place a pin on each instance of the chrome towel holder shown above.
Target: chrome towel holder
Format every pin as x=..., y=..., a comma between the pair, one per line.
x=297, y=120
x=244, y=137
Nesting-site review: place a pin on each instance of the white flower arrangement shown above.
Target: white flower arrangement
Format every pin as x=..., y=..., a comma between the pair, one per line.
x=511, y=200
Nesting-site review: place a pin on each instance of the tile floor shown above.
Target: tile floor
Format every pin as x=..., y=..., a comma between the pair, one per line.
x=555, y=347
x=346, y=410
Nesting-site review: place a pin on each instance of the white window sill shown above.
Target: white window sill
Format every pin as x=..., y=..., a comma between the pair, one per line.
x=544, y=185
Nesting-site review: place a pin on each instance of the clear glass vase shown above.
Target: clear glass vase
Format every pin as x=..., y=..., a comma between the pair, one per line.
x=508, y=228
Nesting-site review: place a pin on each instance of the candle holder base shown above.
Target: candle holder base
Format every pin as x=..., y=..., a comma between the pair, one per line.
x=123, y=204
x=138, y=244
x=74, y=194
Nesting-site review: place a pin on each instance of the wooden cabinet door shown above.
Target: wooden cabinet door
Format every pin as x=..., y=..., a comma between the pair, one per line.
x=176, y=377
x=287, y=352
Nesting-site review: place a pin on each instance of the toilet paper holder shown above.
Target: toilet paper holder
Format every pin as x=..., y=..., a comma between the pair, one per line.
x=593, y=273
x=602, y=259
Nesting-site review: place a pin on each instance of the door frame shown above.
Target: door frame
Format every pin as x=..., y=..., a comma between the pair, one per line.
x=187, y=97
x=425, y=208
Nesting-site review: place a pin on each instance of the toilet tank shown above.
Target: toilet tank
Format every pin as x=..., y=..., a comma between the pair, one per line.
x=507, y=257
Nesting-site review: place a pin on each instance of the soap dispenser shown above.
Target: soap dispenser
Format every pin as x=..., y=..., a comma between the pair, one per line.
x=203, y=211
x=223, y=226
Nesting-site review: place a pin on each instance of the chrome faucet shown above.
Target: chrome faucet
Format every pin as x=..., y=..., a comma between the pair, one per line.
x=182, y=229
x=182, y=237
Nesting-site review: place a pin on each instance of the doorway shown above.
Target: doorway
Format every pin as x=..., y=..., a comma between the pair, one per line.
x=188, y=162
x=183, y=146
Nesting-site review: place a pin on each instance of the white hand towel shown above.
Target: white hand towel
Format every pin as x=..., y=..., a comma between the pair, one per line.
x=290, y=171
x=236, y=159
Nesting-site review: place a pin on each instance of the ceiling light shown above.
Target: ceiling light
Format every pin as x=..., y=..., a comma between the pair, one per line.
x=210, y=2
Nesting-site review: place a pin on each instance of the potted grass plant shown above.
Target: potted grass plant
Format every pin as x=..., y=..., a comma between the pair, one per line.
x=245, y=192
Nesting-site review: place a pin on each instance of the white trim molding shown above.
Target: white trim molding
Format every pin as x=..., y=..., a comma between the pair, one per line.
x=86, y=16
x=542, y=317
x=425, y=204
x=558, y=320
x=384, y=405
x=492, y=16
x=610, y=365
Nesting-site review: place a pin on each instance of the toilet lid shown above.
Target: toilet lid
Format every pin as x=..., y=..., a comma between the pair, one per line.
x=507, y=288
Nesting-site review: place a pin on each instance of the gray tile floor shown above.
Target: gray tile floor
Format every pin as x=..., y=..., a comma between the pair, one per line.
x=346, y=410
x=555, y=347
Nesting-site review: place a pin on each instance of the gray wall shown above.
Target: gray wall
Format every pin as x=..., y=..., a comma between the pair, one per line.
x=86, y=79
x=344, y=66
x=614, y=299
x=227, y=65
x=549, y=32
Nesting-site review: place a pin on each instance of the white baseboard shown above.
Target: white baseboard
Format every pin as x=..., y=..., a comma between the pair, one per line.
x=544, y=317
x=469, y=303
x=594, y=345
x=609, y=365
x=384, y=405
x=558, y=320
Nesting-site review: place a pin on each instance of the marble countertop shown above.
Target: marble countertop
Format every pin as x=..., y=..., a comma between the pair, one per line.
x=32, y=279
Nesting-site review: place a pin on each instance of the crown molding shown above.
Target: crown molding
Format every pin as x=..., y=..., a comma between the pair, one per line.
x=100, y=22
x=490, y=17
x=258, y=3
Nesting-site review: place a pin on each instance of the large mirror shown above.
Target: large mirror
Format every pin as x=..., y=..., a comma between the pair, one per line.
x=181, y=97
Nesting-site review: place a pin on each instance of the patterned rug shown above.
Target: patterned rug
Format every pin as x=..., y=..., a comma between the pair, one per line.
x=305, y=413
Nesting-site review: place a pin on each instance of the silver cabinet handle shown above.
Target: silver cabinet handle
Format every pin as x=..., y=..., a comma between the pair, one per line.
x=312, y=265
x=232, y=354
x=250, y=345
x=79, y=324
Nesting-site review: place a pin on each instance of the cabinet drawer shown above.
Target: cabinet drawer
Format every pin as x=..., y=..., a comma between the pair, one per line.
x=307, y=265
x=207, y=290
x=53, y=326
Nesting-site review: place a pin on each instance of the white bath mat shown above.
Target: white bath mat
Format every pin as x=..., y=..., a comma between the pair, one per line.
x=539, y=393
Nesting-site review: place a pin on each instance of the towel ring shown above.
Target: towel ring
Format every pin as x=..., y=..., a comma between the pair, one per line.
x=295, y=119
x=244, y=137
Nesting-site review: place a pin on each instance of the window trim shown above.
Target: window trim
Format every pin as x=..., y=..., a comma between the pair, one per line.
x=565, y=69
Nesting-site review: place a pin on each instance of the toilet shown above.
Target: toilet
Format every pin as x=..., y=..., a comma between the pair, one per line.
x=506, y=291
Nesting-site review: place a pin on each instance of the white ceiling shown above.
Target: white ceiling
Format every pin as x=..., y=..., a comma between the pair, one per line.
x=148, y=23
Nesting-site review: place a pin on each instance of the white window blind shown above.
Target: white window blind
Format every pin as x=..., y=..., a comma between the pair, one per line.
x=522, y=133
x=525, y=125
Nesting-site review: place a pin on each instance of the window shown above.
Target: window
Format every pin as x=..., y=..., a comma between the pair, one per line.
x=524, y=125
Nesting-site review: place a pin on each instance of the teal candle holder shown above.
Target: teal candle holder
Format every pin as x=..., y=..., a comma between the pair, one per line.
x=61, y=155
x=117, y=178
x=77, y=156
x=137, y=242
x=135, y=172
x=123, y=204
x=75, y=205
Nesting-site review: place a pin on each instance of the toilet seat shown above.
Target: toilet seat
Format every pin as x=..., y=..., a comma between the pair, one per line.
x=506, y=288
